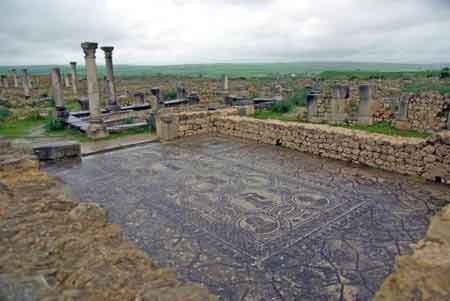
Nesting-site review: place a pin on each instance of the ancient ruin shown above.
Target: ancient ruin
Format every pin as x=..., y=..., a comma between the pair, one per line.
x=273, y=188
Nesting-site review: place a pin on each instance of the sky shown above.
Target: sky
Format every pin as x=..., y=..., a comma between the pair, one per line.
x=160, y=32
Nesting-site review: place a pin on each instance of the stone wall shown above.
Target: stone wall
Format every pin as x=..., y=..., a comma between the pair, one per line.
x=428, y=111
x=425, y=112
x=410, y=156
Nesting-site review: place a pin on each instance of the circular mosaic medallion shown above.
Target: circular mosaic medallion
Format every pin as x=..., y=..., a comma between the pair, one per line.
x=259, y=224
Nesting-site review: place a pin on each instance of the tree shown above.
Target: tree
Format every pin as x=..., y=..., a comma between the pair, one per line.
x=445, y=72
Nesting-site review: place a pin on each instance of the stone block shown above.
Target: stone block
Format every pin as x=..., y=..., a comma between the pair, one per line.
x=167, y=127
x=403, y=125
x=58, y=151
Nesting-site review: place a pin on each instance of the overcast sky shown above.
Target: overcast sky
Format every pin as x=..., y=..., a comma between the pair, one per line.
x=208, y=31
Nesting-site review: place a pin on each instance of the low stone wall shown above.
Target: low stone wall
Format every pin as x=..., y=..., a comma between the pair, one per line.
x=178, y=125
x=410, y=156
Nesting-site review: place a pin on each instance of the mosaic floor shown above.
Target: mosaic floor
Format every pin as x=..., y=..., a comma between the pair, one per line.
x=258, y=222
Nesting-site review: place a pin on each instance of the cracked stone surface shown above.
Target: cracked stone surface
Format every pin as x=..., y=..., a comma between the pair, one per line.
x=257, y=222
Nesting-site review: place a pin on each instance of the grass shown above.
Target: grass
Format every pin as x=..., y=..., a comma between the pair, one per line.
x=442, y=88
x=378, y=128
x=274, y=115
x=366, y=75
x=387, y=129
x=72, y=106
x=20, y=128
x=255, y=70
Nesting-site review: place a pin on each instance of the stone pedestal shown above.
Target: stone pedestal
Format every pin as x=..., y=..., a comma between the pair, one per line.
x=157, y=93
x=402, y=122
x=112, y=98
x=58, y=151
x=96, y=128
x=139, y=98
x=181, y=92
x=166, y=127
x=25, y=83
x=74, y=77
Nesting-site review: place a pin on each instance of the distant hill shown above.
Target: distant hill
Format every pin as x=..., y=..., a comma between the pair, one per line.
x=239, y=70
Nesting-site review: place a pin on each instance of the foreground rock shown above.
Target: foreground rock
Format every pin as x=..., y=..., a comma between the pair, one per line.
x=425, y=275
x=52, y=248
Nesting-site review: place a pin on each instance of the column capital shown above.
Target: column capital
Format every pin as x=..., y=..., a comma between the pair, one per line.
x=89, y=49
x=108, y=51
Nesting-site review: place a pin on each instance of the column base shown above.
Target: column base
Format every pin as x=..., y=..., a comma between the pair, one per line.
x=97, y=130
x=61, y=113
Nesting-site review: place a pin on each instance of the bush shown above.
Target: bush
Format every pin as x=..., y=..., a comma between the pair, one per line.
x=282, y=107
x=445, y=73
x=4, y=114
x=55, y=124
x=170, y=95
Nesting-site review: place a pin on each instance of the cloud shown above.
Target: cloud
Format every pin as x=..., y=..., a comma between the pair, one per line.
x=202, y=31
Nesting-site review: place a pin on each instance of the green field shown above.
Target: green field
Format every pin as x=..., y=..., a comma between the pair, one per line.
x=326, y=70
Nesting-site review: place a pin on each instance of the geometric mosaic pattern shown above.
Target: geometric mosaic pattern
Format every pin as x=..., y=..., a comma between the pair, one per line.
x=258, y=222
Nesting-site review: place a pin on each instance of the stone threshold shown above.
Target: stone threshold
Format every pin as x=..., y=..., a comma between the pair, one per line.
x=90, y=149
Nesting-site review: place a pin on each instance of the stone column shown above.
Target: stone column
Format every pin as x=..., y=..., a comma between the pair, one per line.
x=112, y=98
x=14, y=76
x=58, y=93
x=181, y=92
x=365, y=109
x=73, y=70
x=225, y=83
x=96, y=127
x=401, y=117
x=1, y=81
x=339, y=104
x=5, y=82
x=66, y=81
x=311, y=105
x=25, y=83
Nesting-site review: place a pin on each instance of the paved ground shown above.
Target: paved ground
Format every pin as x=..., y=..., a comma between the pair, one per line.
x=256, y=222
